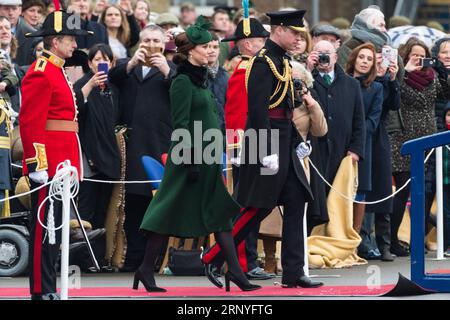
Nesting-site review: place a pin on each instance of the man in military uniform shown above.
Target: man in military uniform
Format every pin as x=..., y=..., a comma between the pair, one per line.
x=270, y=105
x=48, y=127
x=8, y=82
x=249, y=43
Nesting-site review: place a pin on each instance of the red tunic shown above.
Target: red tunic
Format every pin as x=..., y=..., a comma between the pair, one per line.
x=236, y=107
x=47, y=95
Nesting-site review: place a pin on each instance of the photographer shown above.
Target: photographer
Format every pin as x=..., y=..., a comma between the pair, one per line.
x=419, y=93
x=310, y=123
x=341, y=100
x=97, y=102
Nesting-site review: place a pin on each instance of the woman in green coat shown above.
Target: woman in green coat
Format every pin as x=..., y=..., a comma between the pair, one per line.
x=192, y=200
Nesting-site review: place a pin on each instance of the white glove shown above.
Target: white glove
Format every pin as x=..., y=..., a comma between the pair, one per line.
x=303, y=150
x=40, y=177
x=237, y=161
x=271, y=162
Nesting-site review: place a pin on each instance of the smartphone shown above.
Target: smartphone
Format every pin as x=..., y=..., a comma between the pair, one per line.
x=428, y=62
x=103, y=66
x=386, y=57
x=150, y=51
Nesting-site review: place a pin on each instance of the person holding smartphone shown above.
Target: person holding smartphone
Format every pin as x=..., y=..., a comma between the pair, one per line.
x=419, y=93
x=98, y=107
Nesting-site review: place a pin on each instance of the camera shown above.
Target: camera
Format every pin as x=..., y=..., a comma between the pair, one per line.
x=298, y=85
x=428, y=63
x=298, y=89
x=324, y=58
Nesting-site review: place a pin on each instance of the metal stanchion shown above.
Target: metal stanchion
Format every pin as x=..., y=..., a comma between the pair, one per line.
x=65, y=236
x=440, y=207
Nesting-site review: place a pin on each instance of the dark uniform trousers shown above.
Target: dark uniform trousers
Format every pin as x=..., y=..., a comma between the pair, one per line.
x=292, y=248
x=43, y=256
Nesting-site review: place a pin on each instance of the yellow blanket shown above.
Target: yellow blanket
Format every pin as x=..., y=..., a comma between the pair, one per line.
x=334, y=244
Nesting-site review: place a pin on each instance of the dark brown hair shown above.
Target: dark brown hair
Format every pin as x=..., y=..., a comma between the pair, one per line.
x=351, y=62
x=183, y=47
x=405, y=49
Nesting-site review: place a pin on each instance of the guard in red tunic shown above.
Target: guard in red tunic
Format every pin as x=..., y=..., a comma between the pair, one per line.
x=48, y=128
x=236, y=107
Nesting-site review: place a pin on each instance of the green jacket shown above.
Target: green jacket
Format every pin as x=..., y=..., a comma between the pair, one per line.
x=181, y=207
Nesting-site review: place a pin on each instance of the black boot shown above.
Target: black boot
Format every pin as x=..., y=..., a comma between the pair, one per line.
x=145, y=273
x=235, y=273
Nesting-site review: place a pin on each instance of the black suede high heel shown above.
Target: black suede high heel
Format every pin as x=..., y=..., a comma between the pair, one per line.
x=243, y=286
x=139, y=276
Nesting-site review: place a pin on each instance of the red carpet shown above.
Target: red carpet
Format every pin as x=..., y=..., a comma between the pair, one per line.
x=439, y=271
x=173, y=292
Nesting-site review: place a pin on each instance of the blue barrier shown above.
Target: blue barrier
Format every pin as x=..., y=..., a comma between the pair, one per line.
x=416, y=149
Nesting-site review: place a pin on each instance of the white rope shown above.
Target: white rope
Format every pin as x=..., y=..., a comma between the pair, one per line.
x=56, y=193
x=121, y=182
x=26, y=193
x=16, y=165
x=364, y=202
x=132, y=182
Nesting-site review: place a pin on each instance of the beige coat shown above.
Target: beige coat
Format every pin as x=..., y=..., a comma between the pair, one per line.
x=310, y=120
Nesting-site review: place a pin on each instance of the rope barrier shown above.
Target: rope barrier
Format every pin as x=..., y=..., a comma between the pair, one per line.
x=224, y=170
x=366, y=202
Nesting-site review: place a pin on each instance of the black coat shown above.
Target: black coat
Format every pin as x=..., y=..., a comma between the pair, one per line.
x=381, y=150
x=373, y=105
x=100, y=34
x=343, y=108
x=219, y=86
x=256, y=189
x=98, y=118
x=145, y=110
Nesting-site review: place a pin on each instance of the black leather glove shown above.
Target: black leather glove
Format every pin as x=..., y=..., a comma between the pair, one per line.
x=193, y=172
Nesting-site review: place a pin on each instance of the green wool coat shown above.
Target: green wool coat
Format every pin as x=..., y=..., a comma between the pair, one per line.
x=181, y=207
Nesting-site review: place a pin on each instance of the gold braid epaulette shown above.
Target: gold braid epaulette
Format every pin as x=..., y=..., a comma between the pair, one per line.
x=283, y=80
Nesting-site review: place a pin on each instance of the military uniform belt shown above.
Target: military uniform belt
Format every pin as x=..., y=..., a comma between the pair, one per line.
x=61, y=125
x=279, y=113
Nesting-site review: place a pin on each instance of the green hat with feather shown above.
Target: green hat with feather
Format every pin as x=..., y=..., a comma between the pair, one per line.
x=198, y=33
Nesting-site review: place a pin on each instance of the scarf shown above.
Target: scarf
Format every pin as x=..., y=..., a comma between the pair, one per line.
x=419, y=80
x=198, y=75
x=362, y=32
x=212, y=71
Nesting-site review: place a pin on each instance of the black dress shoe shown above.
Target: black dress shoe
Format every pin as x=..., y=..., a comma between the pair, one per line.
x=213, y=275
x=387, y=256
x=399, y=251
x=259, y=274
x=304, y=282
x=47, y=296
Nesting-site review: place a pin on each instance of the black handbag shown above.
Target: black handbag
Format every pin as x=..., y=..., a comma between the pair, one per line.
x=185, y=262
